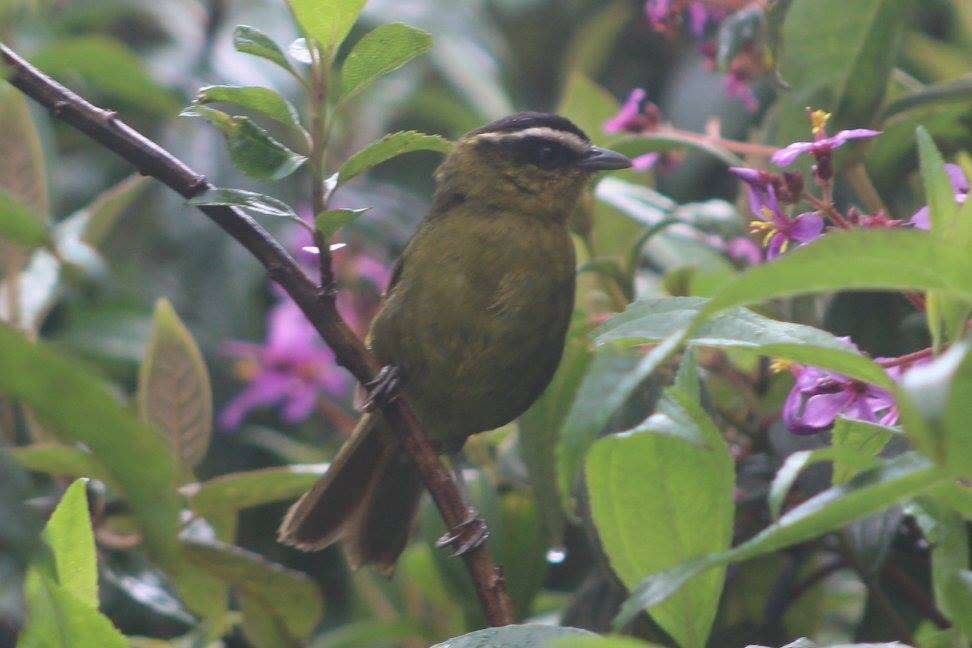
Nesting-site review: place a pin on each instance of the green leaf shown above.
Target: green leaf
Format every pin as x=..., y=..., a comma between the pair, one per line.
x=539, y=432
x=123, y=81
x=514, y=636
x=740, y=30
x=958, y=593
x=68, y=533
x=262, y=100
x=371, y=632
x=251, y=40
x=852, y=260
x=18, y=224
x=671, y=141
x=865, y=438
x=174, y=393
x=78, y=406
x=246, y=200
x=22, y=170
x=610, y=641
x=327, y=21
x=837, y=56
x=796, y=462
x=652, y=320
x=379, y=52
x=959, y=90
x=285, y=599
x=588, y=105
x=650, y=493
x=59, y=460
x=330, y=221
x=946, y=532
x=593, y=42
x=389, y=146
x=98, y=218
x=59, y=619
x=240, y=490
x=868, y=492
x=251, y=148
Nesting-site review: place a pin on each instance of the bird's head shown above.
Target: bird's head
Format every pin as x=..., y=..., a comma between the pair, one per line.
x=531, y=161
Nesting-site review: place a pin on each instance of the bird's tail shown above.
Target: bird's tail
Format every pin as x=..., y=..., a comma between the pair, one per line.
x=368, y=497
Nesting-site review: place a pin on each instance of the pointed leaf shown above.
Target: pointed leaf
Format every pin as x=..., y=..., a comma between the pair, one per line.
x=246, y=200
x=60, y=460
x=18, y=224
x=22, y=171
x=68, y=533
x=254, y=98
x=240, y=490
x=514, y=636
x=251, y=40
x=174, y=392
x=389, y=146
x=865, y=438
x=100, y=216
x=327, y=21
x=379, y=52
x=59, y=619
x=330, y=221
x=796, y=462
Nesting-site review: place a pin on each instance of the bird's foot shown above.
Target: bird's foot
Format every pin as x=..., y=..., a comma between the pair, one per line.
x=466, y=536
x=383, y=389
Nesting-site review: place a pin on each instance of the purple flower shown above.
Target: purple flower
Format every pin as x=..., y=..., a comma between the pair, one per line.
x=922, y=218
x=819, y=397
x=738, y=88
x=743, y=250
x=822, y=147
x=778, y=230
x=291, y=369
x=635, y=115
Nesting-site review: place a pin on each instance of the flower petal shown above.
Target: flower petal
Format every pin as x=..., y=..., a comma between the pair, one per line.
x=806, y=227
x=786, y=157
x=627, y=117
x=957, y=176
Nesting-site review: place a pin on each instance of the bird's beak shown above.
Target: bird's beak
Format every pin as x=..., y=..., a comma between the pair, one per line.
x=602, y=159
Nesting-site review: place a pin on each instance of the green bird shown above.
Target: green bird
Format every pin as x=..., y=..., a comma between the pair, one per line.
x=472, y=325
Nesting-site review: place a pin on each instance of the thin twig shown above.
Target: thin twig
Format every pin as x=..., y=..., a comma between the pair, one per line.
x=317, y=304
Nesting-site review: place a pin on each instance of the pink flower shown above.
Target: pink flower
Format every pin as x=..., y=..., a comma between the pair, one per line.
x=823, y=147
x=743, y=250
x=738, y=88
x=635, y=115
x=291, y=369
x=922, y=218
x=778, y=230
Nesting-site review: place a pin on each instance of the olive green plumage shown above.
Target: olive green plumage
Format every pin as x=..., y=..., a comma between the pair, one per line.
x=474, y=319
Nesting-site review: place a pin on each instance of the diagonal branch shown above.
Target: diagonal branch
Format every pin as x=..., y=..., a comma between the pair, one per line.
x=317, y=303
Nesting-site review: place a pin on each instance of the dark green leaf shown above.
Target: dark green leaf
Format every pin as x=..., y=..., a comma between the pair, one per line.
x=18, y=224
x=741, y=29
x=246, y=200
x=652, y=320
x=109, y=68
x=592, y=44
x=514, y=636
x=285, y=599
x=329, y=222
x=254, y=98
x=22, y=170
x=868, y=492
x=174, y=393
x=98, y=218
x=327, y=22
x=68, y=533
x=389, y=146
x=650, y=493
x=237, y=491
x=959, y=90
x=251, y=40
x=946, y=532
x=373, y=632
x=59, y=460
x=610, y=641
x=251, y=148
x=379, y=52
x=866, y=438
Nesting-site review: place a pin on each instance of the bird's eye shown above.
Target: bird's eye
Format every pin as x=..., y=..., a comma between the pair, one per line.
x=546, y=156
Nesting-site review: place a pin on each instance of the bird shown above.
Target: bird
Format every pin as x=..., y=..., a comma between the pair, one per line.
x=471, y=327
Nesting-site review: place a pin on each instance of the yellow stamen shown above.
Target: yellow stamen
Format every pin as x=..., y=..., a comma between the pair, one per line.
x=246, y=369
x=779, y=365
x=818, y=120
x=784, y=245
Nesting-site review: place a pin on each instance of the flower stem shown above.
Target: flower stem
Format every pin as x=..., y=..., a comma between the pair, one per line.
x=735, y=146
x=907, y=359
x=828, y=209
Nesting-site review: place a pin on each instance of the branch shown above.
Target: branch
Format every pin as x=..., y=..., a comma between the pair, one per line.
x=317, y=303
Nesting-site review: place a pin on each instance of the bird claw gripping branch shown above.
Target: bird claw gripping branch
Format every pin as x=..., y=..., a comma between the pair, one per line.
x=466, y=536
x=385, y=388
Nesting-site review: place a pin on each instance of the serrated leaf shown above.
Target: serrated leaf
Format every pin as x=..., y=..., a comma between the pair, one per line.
x=68, y=533
x=174, y=392
x=58, y=459
x=514, y=636
x=251, y=40
x=59, y=619
x=871, y=491
x=246, y=200
x=327, y=21
x=652, y=490
x=285, y=599
x=251, y=148
x=262, y=100
x=18, y=224
x=240, y=490
x=389, y=146
x=330, y=221
x=651, y=320
x=379, y=52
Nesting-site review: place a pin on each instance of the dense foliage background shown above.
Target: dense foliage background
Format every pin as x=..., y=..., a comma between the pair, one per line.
x=680, y=428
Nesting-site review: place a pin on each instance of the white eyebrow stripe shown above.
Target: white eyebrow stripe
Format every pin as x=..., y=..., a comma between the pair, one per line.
x=564, y=137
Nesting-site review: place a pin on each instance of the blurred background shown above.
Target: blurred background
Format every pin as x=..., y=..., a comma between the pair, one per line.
x=147, y=59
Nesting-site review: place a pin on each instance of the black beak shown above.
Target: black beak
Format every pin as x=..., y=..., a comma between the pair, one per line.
x=602, y=159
